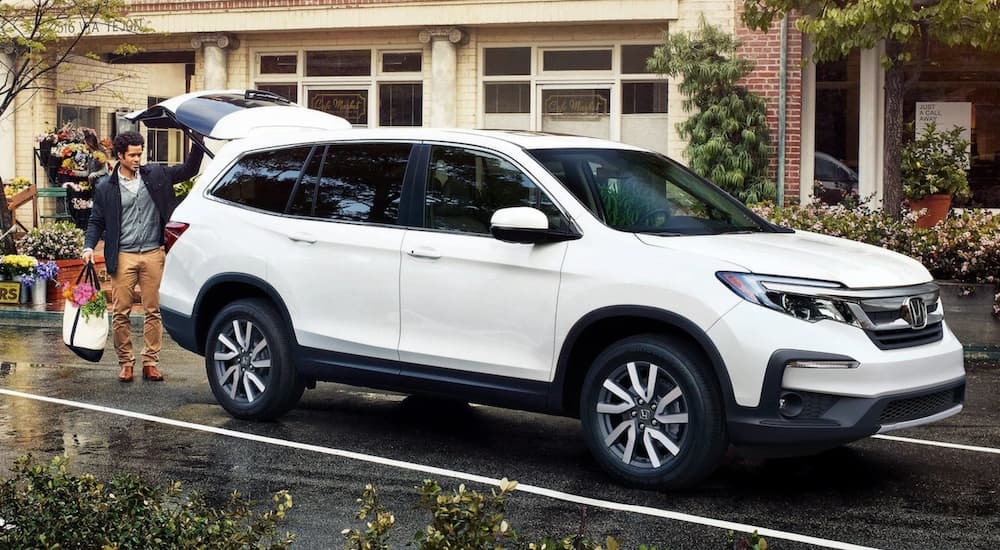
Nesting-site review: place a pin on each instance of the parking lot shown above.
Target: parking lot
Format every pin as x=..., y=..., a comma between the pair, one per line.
x=930, y=487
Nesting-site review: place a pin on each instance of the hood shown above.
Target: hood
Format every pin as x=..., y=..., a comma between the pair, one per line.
x=804, y=254
x=234, y=114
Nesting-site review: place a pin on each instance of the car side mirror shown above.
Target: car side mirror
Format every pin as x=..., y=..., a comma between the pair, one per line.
x=526, y=225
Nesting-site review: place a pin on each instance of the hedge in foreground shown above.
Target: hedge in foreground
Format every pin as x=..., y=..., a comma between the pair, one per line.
x=470, y=520
x=46, y=506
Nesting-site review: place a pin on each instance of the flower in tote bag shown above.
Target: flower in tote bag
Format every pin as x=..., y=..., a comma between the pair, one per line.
x=91, y=301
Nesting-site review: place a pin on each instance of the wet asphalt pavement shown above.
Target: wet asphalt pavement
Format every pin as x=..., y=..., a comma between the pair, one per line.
x=879, y=493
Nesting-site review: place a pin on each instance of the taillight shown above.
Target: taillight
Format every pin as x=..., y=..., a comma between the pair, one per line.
x=171, y=233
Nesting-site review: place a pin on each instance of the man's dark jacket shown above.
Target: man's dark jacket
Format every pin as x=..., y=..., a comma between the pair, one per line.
x=106, y=216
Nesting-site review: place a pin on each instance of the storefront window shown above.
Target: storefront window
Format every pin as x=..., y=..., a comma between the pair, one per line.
x=339, y=63
x=576, y=60
x=400, y=104
x=401, y=62
x=972, y=78
x=278, y=64
x=507, y=61
x=514, y=97
x=634, y=58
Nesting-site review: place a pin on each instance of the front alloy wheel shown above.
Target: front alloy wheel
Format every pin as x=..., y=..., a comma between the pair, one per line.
x=652, y=414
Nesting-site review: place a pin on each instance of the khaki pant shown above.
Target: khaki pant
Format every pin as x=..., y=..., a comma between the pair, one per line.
x=146, y=270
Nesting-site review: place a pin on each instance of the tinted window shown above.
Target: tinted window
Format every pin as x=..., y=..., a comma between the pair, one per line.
x=361, y=182
x=465, y=188
x=643, y=192
x=264, y=180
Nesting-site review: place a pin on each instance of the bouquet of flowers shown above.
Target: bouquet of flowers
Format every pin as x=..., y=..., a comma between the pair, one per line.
x=92, y=302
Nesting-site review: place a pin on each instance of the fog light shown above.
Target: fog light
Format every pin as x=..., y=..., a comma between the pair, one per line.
x=790, y=404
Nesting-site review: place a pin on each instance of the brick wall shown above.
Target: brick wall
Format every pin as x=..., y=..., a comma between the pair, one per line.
x=765, y=50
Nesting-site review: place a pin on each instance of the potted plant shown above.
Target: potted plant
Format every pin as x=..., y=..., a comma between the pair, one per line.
x=61, y=242
x=933, y=171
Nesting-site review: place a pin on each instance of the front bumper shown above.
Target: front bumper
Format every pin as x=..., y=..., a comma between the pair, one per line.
x=790, y=418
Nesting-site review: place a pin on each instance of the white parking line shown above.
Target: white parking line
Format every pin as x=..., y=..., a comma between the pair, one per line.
x=959, y=446
x=541, y=491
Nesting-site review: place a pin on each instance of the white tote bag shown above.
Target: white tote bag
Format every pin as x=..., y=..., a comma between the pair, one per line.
x=85, y=336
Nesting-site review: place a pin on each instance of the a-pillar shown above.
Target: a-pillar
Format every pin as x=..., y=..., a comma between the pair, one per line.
x=214, y=48
x=444, y=43
x=7, y=129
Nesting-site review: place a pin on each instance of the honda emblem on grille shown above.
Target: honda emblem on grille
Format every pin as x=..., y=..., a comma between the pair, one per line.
x=914, y=311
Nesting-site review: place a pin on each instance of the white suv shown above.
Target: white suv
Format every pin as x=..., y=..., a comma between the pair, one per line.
x=560, y=274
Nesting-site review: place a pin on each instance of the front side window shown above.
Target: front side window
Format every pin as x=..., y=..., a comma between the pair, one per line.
x=465, y=187
x=263, y=180
x=360, y=182
x=643, y=192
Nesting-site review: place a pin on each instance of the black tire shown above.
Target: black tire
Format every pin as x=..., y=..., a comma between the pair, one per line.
x=248, y=361
x=677, y=427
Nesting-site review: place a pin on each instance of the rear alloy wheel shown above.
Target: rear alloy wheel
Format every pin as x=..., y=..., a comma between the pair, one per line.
x=248, y=362
x=652, y=415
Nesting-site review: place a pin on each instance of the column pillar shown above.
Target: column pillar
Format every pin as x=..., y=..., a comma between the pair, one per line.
x=214, y=48
x=8, y=132
x=444, y=74
x=871, y=124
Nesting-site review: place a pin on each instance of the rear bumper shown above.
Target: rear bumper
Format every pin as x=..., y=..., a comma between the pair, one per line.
x=181, y=329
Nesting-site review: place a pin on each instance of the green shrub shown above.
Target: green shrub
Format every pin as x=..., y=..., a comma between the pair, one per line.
x=728, y=140
x=470, y=520
x=46, y=506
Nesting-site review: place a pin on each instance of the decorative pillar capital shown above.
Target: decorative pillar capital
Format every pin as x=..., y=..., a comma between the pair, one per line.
x=454, y=35
x=219, y=40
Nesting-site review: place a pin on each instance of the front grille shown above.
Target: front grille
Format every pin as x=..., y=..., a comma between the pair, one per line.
x=906, y=337
x=923, y=406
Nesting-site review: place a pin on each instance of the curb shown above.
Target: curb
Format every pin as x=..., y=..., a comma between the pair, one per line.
x=35, y=317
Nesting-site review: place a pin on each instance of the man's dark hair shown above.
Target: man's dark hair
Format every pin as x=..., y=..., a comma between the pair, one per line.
x=126, y=139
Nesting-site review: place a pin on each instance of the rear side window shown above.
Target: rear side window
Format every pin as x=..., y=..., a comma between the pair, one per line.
x=264, y=180
x=360, y=182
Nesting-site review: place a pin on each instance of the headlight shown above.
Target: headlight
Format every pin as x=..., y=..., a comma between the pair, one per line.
x=801, y=298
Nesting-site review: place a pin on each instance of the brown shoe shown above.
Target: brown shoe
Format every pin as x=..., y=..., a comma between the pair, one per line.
x=150, y=373
x=125, y=374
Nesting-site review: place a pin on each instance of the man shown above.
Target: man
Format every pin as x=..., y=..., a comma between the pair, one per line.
x=132, y=205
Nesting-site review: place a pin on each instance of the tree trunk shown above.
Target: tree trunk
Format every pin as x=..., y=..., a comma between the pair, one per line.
x=892, y=190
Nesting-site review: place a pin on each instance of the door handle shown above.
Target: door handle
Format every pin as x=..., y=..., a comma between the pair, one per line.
x=424, y=252
x=302, y=238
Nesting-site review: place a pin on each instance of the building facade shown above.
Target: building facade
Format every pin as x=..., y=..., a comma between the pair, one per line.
x=570, y=66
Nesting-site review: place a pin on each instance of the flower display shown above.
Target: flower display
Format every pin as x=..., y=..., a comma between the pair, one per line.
x=75, y=158
x=18, y=264
x=92, y=302
x=15, y=186
x=61, y=240
x=67, y=133
x=47, y=271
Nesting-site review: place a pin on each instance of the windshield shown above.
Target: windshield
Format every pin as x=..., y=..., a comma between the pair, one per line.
x=644, y=192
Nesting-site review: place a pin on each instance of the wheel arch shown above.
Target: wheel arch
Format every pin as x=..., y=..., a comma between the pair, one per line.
x=226, y=288
x=600, y=328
